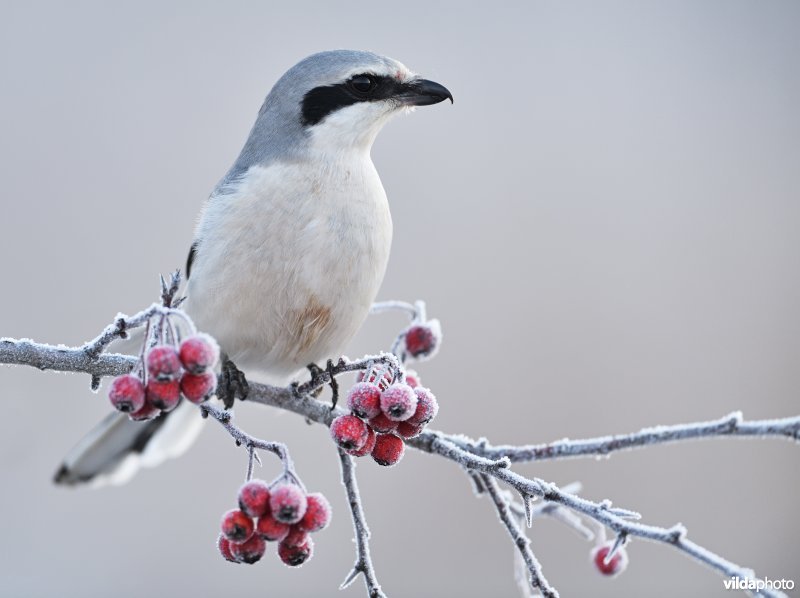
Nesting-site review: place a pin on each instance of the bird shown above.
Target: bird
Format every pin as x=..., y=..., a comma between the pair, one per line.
x=290, y=248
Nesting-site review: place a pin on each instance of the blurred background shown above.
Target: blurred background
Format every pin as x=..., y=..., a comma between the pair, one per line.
x=605, y=221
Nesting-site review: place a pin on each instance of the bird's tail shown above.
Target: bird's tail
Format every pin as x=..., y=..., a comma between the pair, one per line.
x=117, y=447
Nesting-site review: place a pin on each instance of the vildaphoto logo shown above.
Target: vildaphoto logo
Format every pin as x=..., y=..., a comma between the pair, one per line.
x=737, y=583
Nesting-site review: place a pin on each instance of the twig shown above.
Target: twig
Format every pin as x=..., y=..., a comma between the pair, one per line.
x=363, y=563
x=251, y=444
x=618, y=520
x=730, y=425
x=537, y=579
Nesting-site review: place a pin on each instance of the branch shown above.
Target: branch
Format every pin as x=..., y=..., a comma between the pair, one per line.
x=537, y=579
x=616, y=519
x=363, y=563
x=464, y=451
x=730, y=425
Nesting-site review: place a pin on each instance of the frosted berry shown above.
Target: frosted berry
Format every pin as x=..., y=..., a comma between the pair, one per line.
x=381, y=423
x=249, y=551
x=407, y=430
x=297, y=536
x=364, y=400
x=422, y=340
x=368, y=445
x=294, y=556
x=198, y=387
x=349, y=432
x=388, y=449
x=127, y=393
x=318, y=513
x=287, y=503
x=163, y=363
x=427, y=407
x=224, y=546
x=198, y=353
x=163, y=394
x=145, y=413
x=398, y=402
x=615, y=565
x=270, y=529
x=237, y=526
x=254, y=498
x=412, y=378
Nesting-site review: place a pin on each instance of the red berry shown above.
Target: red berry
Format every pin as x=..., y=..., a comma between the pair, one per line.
x=406, y=430
x=296, y=536
x=398, y=402
x=254, y=498
x=237, y=526
x=272, y=530
x=224, y=546
x=382, y=424
x=198, y=387
x=368, y=445
x=198, y=353
x=145, y=413
x=412, y=378
x=287, y=503
x=127, y=393
x=422, y=340
x=364, y=400
x=615, y=565
x=318, y=513
x=294, y=556
x=163, y=394
x=349, y=432
x=388, y=449
x=249, y=551
x=427, y=407
x=163, y=363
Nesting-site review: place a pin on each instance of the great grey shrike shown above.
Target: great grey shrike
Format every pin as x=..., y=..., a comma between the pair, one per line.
x=291, y=246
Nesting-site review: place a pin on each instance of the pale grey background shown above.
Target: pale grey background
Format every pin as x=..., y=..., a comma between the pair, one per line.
x=606, y=222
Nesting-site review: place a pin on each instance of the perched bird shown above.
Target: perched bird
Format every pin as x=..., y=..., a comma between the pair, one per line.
x=291, y=246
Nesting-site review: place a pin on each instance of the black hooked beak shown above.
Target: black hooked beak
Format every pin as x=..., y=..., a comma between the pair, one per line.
x=421, y=92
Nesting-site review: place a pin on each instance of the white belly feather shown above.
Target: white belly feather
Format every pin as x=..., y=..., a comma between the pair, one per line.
x=284, y=274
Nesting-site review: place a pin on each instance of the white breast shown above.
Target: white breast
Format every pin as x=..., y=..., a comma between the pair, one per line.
x=288, y=265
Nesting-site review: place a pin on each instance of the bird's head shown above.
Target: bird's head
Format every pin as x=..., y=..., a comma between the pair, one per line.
x=337, y=101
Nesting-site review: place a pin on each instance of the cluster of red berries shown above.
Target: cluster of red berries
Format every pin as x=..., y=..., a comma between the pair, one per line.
x=422, y=340
x=283, y=513
x=613, y=566
x=169, y=373
x=382, y=416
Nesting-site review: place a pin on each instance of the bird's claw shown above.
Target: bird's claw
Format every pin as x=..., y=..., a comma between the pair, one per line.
x=233, y=384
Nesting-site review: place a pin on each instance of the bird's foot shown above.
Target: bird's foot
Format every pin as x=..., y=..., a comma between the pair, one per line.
x=330, y=369
x=233, y=384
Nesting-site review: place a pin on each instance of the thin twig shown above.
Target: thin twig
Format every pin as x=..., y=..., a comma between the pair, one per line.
x=250, y=443
x=537, y=579
x=363, y=564
x=730, y=425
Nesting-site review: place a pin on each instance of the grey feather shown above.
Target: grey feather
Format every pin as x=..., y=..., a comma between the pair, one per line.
x=103, y=449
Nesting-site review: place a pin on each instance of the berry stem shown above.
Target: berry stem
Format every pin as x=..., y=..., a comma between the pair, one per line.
x=363, y=564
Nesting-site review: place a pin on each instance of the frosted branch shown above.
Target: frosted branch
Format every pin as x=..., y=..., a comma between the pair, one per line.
x=730, y=425
x=537, y=579
x=363, y=565
x=616, y=519
x=479, y=458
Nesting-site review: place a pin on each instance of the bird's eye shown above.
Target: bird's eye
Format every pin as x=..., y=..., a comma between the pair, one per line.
x=363, y=84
